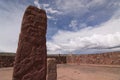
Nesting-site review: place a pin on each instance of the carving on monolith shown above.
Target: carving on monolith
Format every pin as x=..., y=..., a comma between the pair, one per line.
x=51, y=69
x=30, y=61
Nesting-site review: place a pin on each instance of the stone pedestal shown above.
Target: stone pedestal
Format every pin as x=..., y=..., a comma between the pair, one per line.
x=31, y=57
x=51, y=69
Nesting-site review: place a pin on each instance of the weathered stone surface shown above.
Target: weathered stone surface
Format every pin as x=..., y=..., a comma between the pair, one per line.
x=51, y=69
x=31, y=58
x=112, y=58
x=103, y=58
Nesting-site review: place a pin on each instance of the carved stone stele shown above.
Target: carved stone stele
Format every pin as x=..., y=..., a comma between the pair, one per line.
x=31, y=57
x=51, y=69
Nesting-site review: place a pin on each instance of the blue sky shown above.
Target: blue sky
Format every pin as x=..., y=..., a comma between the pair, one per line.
x=74, y=26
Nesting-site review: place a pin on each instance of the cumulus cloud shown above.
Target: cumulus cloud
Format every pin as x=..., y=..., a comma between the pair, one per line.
x=73, y=24
x=76, y=25
x=10, y=23
x=105, y=36
x=54, y=46
x=101, y=37
x=69, y=6
x=96, y=41
x=78, y=5
x=36, y=2
x=50, y=17
x=46, y=5
x=86, y=6
x=50, y=11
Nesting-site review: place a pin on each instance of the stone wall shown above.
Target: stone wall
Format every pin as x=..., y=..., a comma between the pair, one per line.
x=60, y=59
x=6, y=59
x=111, y=58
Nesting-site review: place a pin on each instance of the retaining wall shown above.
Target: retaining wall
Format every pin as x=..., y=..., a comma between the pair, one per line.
x=111, y=58
x=6, y=59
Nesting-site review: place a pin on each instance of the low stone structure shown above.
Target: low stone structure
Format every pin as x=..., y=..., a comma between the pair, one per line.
x=51, y=69
x=7, y=59
x=111, y=58
x=60, y=58
x=31, y=56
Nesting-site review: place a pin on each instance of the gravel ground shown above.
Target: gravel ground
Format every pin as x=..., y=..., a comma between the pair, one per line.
x=88, y=72
x=76, y=72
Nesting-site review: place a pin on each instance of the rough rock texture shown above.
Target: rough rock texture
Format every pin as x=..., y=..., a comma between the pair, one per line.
x=31, y=58
x=51, y=69
x=60, y=58
x=6, y=60
x=111, y=58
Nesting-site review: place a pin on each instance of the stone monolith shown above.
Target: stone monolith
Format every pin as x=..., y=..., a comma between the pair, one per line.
x=51, y=69
x=31, y=57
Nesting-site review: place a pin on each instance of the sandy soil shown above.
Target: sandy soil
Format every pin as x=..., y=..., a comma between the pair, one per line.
x=76, y=72
x=88, y=72
x=6, y=73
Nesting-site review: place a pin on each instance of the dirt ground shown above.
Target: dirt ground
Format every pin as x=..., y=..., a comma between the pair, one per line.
x=76, y=72
x=88, y=72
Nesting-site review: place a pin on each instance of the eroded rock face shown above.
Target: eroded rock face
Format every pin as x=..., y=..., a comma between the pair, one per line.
x=51, y=69
x=30, y=61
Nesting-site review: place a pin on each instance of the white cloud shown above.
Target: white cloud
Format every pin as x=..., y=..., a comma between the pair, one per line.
x=52, y=11
x=91, y=18
x=73, y=6
x=54, y=49
x=49, y=9
x=10, y=24
x=50, y=17
x=1, y=51
x=95, y=3
x=82, y=25
x=102, y=37
x=46, y=5
x=36, y=2
x=73, y=24
x=54, y=46
x=80, y=7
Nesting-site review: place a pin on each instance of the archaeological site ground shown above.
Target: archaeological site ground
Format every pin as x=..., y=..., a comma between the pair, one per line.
x=31, y=61
x=104, y=66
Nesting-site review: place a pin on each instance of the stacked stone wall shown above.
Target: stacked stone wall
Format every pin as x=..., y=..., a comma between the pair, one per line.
x=6, y=61
x=112, y=58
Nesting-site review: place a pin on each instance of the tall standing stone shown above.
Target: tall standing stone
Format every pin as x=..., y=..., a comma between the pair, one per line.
x=51, y=69
x=31, y=58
